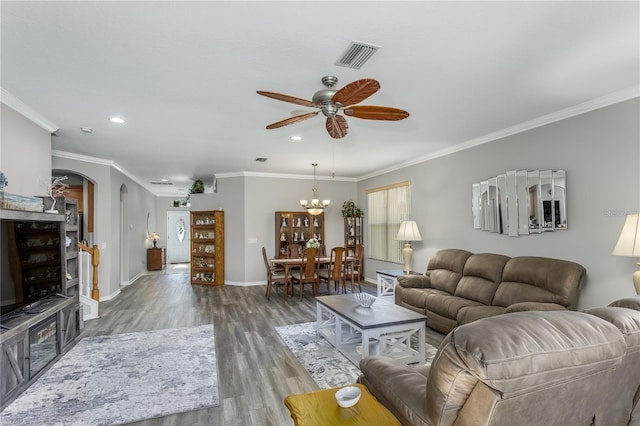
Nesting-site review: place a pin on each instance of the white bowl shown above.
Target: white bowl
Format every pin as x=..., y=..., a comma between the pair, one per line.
x=365, y=300
x=348, y=396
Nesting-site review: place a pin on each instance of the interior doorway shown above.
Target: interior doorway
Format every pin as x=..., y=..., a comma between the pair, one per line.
x=178, y=237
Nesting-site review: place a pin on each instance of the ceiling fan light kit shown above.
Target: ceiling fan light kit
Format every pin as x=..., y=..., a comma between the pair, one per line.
x=331, y=102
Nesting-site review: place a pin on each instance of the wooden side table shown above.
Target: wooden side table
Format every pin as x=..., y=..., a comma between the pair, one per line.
x=320, y=408
x=156, y=258
x=387, y=280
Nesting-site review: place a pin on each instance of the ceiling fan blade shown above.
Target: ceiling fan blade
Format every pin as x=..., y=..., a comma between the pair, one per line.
x=292, y=120
x=356, y=92
x=287, y=98
x=337, y=127
x=370, y=112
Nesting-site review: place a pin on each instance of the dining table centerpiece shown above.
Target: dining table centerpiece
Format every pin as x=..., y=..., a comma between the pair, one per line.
x=313, y=243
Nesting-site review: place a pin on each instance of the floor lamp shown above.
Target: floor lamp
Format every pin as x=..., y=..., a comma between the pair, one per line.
x=408, y=232
x=629, y=244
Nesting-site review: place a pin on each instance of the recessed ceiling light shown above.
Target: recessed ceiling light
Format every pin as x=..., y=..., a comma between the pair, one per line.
x=296, y=138
x=116, y=120
x=86, y=129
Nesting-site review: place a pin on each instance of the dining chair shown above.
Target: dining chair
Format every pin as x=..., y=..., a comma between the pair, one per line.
x=308, y=272
x=273, y=277
x=354, y=269
x=336, y=270
x=294, y=251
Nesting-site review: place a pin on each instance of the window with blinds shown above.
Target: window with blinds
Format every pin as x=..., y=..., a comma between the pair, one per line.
x=388, y=207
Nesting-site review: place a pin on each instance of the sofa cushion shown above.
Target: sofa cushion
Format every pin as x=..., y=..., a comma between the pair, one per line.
x=480, y=278
x=414, y=298
x=539, y=279
x=447, y=305
x=553, y=347
x=473, y=313
x=445, y=269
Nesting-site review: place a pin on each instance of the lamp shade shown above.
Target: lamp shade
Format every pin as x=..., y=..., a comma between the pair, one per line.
x=629, y=240
x=408, y=231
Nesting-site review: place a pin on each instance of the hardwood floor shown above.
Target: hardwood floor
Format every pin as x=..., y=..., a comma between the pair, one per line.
x=256, y=370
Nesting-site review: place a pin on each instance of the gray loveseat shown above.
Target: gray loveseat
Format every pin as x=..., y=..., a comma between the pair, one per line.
x=525, y=368
x=460, y=287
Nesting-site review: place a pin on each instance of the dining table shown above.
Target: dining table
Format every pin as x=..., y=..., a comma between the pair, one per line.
x=297, y=262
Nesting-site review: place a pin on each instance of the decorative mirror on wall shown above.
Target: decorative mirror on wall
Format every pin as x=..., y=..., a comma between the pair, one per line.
x=521, y=202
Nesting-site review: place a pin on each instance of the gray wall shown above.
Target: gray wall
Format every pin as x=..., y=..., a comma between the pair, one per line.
x=599, y=150
x=108, y=181
x=21, y=138
x=250, y=203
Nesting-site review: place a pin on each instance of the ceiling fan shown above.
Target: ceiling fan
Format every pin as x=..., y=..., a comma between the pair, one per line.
x=331, y=101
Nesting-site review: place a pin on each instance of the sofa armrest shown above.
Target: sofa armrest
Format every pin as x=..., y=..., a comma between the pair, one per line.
x=629, y=303
x=414, y=281
x=400, y=388
x=534, y=306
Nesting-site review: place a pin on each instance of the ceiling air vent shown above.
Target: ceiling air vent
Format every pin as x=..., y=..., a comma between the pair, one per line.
x=162, y=183
x=260, y=159
x=356, y=55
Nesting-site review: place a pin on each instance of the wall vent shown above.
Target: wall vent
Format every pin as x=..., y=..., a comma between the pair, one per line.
x=161, y=183
x=260, y=159
x=356, y=55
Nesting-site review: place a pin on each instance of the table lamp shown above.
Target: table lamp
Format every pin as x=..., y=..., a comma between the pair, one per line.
x=629, y=244
x=408, y=232
x=154, y=237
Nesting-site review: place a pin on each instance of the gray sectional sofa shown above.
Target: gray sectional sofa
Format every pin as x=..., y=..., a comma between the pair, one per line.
x=460, y=287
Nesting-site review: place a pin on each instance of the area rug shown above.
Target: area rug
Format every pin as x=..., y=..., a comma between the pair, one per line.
x=324, y=363
x=116, y=379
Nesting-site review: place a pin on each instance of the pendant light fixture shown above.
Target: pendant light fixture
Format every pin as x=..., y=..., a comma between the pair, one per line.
x=315, y=207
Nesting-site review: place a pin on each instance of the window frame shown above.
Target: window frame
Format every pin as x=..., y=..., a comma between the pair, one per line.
x=388, y=207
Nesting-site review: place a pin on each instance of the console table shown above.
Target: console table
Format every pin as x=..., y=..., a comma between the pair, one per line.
x=156, y=258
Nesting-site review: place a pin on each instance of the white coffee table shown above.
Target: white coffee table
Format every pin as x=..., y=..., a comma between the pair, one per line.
x=383, y=329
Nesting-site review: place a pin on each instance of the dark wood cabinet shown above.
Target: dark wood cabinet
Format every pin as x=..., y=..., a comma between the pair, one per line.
x=156, y=258
x=297, y=228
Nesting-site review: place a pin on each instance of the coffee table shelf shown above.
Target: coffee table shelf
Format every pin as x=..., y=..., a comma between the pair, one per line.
x=383, y=329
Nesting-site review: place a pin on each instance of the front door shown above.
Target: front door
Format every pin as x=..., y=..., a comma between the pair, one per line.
x=178, y=237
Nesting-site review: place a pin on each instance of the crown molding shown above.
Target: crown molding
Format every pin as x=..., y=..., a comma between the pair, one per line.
x=283, y=176
x=588, y=106
x=80, y=157
x=102, y=162
x=20, y=107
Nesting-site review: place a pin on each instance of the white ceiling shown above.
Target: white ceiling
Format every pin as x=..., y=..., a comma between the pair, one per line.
x=184, y=75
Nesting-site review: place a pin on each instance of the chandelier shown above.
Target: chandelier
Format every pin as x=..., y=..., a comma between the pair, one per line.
x=315, y=207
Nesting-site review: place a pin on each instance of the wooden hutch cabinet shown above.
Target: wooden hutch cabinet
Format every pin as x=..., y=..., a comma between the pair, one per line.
x=297, y=228
x=352, y=233
x=353, y=236
x=207, y=247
